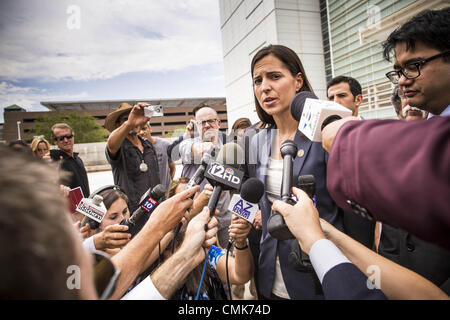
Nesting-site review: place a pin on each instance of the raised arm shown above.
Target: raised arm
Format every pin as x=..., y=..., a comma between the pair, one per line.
x=132, y=258
x=172, y=273
x=240, y=268
x=135, y=118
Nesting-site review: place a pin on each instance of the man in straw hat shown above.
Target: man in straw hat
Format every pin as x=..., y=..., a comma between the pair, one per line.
x=133, y=160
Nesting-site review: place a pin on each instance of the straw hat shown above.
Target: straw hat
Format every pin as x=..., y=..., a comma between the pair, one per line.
x=111, y=119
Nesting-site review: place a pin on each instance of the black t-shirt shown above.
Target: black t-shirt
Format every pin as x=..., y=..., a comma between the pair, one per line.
x=75, y=166
x=125, y=167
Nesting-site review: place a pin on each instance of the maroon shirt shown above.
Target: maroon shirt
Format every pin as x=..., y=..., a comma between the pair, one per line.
x=398, y=171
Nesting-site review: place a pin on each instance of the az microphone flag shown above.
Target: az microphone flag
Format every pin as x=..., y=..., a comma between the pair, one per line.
x=242, y=208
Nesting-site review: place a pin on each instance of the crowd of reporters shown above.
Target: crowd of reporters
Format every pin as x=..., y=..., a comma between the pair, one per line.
x=301, y=219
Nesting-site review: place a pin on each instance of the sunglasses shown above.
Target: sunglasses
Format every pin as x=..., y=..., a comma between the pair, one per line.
x=105, y=275
x=67, y=136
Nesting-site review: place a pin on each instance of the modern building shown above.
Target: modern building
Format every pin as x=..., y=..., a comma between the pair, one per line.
x=250, y=25
x=177, y=113
x=331, y=37
x=355, y=31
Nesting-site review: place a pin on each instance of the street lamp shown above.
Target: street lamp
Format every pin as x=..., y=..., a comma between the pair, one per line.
x=18, y=130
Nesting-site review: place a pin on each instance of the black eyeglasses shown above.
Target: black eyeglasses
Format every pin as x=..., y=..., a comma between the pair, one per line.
x=67, y=136
x=412, y=70
x=105, y=275
x=204, y=122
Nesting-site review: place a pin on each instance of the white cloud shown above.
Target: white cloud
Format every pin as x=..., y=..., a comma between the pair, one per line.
x=115, y=37
x=29, y=97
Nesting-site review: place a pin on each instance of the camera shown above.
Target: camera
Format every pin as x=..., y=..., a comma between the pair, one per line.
x=153, y=111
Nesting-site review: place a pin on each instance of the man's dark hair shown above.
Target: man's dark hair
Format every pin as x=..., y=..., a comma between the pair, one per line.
x=355, y=87
x=431, y=27
x=38, y=240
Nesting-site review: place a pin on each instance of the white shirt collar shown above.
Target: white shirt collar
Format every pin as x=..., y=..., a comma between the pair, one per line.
x=444, y=113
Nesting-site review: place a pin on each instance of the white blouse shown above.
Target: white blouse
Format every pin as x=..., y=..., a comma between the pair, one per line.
x=273, y=189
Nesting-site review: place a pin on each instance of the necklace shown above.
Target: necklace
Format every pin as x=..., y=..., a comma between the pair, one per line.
x=143, y=167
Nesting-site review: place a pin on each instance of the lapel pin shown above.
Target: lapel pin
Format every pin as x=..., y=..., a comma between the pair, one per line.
x=300, y=153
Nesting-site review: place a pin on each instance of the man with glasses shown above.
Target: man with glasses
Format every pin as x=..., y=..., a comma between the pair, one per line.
x=207, y=124
x=191, y=151
x=64, y=138
x=400, y=185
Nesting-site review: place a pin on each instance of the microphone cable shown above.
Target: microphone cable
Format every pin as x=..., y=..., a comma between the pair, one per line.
x=230, y=243
x=203, y=275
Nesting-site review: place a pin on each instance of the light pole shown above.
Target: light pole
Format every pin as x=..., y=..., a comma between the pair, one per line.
x=18, y=130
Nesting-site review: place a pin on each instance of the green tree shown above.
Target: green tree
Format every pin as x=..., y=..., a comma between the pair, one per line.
x=176, y=133
x=84, y=126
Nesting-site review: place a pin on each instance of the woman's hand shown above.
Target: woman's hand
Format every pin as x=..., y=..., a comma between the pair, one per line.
x=239, y=230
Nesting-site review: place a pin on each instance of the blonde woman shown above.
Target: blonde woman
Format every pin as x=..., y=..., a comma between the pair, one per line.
x=40, y=147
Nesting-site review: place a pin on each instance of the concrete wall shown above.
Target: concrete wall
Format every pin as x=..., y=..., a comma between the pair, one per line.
x=93, y=155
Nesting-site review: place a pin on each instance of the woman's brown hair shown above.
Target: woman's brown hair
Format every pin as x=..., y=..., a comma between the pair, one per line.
x=291, y=61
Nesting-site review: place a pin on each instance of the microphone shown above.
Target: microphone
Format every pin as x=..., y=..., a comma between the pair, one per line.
x=313, y=114
x=245, y=205
x=199, y=175
x=297, y=257
x=224, y=174
x=197, y=179
x=276, y=224
x=93, y=209
x=149, y=201
x=308, y=185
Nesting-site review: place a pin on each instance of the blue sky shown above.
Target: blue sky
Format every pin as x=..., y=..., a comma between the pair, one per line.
x=57, y=50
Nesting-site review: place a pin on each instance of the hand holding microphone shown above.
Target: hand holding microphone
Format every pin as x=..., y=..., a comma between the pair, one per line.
x=149, y=201
x=238, y=231
x=244, y=208
x=224, y=173
x=196, y=180
x=302, y=219
x=114, y=236
x=201, y=201
x=170, y=212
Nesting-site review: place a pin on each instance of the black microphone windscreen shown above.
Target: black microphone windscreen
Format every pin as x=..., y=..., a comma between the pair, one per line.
x=158, y=192
x=298, y=102
x=231, y=154
x=252, y=190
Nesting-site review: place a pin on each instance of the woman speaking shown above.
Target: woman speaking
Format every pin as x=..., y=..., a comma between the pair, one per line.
x=278, y=75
